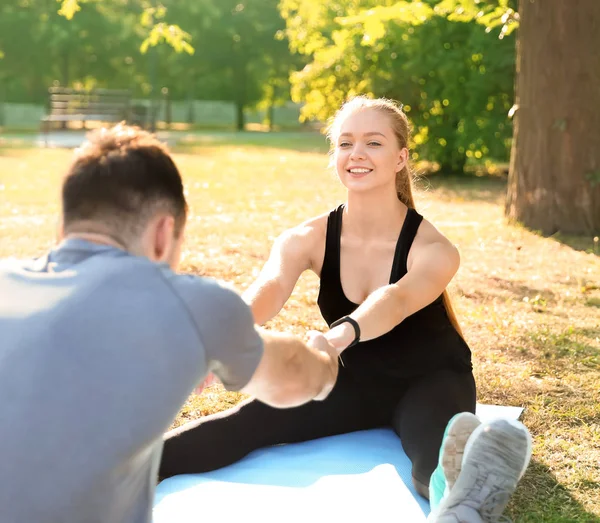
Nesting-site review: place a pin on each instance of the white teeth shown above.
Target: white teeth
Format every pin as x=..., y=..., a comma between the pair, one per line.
x=360, y=171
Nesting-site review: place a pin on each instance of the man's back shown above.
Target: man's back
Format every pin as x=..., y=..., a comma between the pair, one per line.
x=99, y=350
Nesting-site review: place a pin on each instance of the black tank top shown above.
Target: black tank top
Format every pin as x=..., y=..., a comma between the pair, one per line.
x=425, y=341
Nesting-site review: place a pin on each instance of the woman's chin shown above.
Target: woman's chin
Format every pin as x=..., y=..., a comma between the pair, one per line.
x=357, y=183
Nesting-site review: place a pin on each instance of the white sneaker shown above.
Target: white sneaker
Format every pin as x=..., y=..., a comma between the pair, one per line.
x=495, y=458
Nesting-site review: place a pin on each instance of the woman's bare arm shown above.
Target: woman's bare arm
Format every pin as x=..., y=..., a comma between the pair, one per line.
x=290, y=256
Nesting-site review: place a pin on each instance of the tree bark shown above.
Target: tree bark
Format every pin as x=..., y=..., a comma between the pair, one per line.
x=240, y=75
x=270, y=115
x=240, y=117
x=554, y=177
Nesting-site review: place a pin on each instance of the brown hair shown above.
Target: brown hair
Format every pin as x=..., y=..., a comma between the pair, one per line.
x=120, y=178
x=404, y=178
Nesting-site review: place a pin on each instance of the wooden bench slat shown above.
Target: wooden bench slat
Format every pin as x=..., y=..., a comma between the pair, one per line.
x=82, y=118
x=64, y=97
x=99, y=106
x=109, y=92
x=102, y=105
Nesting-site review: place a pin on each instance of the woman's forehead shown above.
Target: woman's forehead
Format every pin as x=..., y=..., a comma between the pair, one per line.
x=366, y=121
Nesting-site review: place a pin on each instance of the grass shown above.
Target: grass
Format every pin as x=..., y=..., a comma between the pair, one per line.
x=529, y=306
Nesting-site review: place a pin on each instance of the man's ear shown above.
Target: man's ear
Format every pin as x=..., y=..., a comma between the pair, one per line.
x=164, y=237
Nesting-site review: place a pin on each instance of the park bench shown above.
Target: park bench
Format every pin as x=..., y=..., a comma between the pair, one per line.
x=72, y=105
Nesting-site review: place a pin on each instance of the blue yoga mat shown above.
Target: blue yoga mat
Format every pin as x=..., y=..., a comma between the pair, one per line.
x=349, y=477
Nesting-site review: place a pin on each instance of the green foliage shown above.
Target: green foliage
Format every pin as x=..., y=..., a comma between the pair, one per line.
x=68, y=8
x=435, y=56
x=88, y=50
x=593, y=177
x=159, y=31
x=455, y=81
x=241, y=55
x=171, y=34
x=241, y=49
x=490, y=14
x=151, y=18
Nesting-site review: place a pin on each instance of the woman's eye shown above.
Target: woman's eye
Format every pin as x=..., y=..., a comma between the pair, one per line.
x=345, y=144
x=375, y=144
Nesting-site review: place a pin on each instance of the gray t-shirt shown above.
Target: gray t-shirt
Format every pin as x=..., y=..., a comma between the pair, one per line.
x=99, y=349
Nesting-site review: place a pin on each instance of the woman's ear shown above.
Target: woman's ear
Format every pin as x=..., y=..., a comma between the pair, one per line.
x=402, y=159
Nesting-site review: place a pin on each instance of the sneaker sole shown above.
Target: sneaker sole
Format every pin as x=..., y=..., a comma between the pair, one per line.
x=514, y=423
x=454, y=446
x=482, y=452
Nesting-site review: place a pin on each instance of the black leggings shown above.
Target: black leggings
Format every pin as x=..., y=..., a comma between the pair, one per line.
x=417, y=409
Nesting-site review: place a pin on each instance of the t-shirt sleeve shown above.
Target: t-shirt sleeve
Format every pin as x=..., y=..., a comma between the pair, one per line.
x=225, y=327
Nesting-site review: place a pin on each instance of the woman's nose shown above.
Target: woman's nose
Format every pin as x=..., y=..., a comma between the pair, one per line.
x=357, y=152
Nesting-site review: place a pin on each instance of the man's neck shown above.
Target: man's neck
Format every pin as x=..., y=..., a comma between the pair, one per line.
x=99, y=238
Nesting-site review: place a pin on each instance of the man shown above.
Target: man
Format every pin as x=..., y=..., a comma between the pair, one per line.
x=102, y=342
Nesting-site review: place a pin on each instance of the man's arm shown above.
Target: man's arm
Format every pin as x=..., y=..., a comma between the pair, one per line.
x=291, y=372
x=433, y=262
x=279, y=369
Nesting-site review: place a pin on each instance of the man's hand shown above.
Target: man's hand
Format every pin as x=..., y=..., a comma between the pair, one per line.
x=318, y=341
x=292, y=371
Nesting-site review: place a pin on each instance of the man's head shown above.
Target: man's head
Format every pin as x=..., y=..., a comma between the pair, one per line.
x=123, y=185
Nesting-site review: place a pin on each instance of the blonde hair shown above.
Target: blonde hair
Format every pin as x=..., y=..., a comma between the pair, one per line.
x=404, y=177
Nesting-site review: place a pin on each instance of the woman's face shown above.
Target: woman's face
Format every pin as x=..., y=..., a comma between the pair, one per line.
x=367, y=154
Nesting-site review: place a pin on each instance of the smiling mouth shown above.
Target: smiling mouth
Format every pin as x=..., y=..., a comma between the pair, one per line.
x=359, y=171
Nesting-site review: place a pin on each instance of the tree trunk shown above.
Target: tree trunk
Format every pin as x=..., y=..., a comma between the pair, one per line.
x=239, y=78
x=2, y=100
x=554, y=178
x=152, y=68
x=272, y=96
x=240, y=119
x=270, y=115
x=240, y=75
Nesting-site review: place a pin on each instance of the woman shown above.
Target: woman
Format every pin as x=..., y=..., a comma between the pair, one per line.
x=383, y=273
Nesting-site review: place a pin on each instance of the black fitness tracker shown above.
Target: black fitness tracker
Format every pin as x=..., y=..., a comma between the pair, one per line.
x=352, y=322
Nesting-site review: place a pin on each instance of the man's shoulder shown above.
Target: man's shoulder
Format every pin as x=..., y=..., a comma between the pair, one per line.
x=199, y=285
x=202, y=293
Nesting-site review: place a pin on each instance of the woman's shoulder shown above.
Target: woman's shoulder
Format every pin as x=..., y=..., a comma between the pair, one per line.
x=429, y=233
x=306, y=240
x=308, y=230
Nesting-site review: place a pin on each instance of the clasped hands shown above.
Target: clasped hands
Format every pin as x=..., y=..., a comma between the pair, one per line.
x=333, y=342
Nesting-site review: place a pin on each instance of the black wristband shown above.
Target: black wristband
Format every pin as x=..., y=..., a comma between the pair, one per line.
x=352, y=322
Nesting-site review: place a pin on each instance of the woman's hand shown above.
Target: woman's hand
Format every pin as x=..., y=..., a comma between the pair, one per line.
x=341, y=336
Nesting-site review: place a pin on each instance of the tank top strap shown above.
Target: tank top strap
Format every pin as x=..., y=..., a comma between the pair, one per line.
x=405, y=240
x=331, y=261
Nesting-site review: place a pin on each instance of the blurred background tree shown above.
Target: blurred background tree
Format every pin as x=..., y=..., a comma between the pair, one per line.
x=452, y=63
